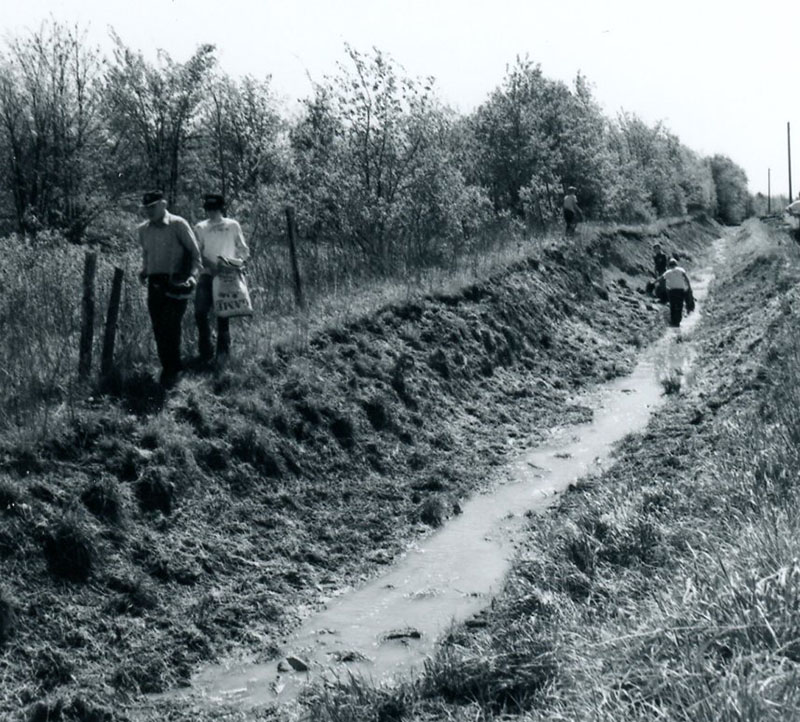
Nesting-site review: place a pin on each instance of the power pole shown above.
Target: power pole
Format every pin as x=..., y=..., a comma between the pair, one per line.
x=789, y=151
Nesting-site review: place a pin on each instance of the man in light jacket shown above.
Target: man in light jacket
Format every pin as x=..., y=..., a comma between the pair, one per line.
x=170, y=265
x=679, y=290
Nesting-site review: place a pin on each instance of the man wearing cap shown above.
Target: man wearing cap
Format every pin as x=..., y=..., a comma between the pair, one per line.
x=679, y=289
x=171, y=263
x=221, y=243
x=571, y=210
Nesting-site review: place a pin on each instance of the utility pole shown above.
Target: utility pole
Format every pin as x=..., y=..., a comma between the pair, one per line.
x=789, y=151
x=769, y=191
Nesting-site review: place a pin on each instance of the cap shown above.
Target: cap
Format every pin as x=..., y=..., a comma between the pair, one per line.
x=151, y=197
x=213, y=201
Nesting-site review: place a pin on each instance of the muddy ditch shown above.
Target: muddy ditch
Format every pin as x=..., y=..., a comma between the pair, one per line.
x=387, y=628
x=226, y=518
x=581, y=602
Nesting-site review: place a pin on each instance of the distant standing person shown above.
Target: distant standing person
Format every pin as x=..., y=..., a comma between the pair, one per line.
x=221, y=240
x=170, y=266
x=679, y=291
x=659, y=260
x=660, y=268
x=571, y=211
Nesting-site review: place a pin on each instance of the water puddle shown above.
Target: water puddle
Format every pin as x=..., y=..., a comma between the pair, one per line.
x=389, y=626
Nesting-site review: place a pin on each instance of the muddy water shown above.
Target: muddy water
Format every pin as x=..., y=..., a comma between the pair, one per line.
x=389, y=626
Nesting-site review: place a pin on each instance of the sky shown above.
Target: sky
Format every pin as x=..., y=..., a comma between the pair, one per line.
x=721, y=75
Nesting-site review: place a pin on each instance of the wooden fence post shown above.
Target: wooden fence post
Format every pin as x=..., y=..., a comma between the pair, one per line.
x=87, y=316
x=298, y=286
x=109, y=337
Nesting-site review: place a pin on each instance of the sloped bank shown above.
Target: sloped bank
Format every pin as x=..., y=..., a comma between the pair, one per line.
x=665, y=587
x=135, y=546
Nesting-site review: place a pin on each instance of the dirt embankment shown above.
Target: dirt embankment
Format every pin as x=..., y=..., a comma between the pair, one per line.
x=139, y=541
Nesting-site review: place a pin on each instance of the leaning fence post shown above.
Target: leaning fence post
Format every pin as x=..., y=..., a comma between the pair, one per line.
x=110, y=334
x=298, y=287
x=87, y=316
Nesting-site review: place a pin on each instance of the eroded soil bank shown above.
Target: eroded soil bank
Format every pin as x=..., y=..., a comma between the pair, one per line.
x=140, y=541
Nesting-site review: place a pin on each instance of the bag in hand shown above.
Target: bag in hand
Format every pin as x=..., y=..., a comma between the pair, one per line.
x=231, y=297
x=689, y=301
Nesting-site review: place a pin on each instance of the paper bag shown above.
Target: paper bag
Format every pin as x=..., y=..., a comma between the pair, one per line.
x=231, y=297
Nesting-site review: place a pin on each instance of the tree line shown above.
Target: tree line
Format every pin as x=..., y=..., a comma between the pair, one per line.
x=383, y=175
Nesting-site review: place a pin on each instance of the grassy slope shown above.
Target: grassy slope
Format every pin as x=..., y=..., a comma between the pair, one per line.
x=152, y=533
x=667, y=587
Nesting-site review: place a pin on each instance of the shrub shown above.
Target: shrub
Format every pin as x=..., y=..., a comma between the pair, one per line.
x=156, y=492
x=343, y=431
x=102, y=497
x=69, y=549
x=8, y=615
x=433, y=511
x=135, y=595
x=671, y=384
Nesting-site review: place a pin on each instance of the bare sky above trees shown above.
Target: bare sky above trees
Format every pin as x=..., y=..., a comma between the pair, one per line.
x=720, y=74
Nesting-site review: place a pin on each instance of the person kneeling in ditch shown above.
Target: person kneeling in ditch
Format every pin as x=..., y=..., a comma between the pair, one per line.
x=679, y=291
x=221, y=242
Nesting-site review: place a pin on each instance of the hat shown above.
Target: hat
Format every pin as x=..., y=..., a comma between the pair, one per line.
x=151, y=197
x=673, y=262
x=213, y=201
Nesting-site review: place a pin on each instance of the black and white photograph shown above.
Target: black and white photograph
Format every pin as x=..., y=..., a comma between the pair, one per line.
x=399, y=361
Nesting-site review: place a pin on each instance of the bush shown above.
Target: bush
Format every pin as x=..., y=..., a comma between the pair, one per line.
x=70, y=549
x=8, y=615
x=102, y=497
x=156, y=492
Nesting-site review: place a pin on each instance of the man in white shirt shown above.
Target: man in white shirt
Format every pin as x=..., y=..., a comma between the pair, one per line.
x=679, y=289
x=221, y=241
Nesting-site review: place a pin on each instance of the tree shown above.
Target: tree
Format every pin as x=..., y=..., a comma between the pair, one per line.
x=241, y=131
x=376, y=170
x=730, y=182
x=51, y=132
x=152, y=113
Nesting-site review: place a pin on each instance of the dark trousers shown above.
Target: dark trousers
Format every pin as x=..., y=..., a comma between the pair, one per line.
x=570, y=220
x=676, y=298
x=166, y=315
x=203, y=305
